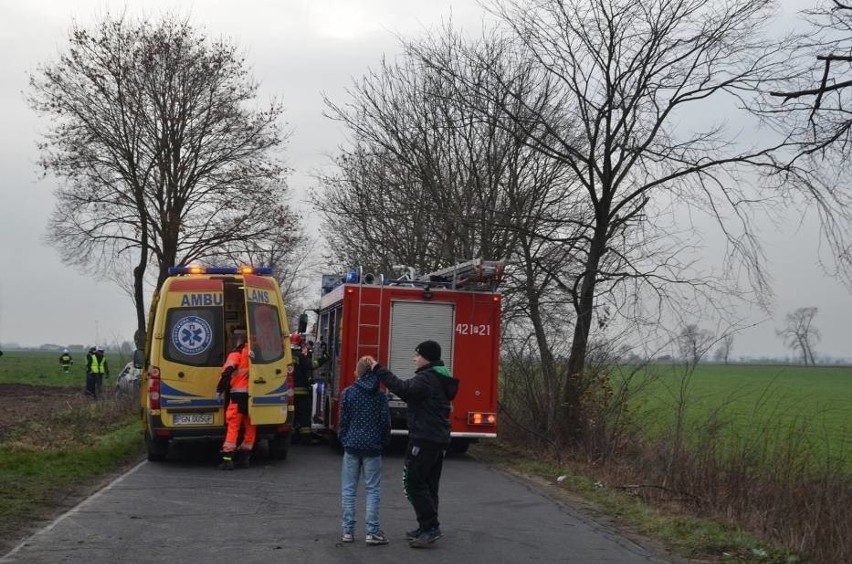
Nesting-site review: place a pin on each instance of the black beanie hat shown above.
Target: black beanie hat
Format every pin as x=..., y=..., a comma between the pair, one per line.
x=430, y=350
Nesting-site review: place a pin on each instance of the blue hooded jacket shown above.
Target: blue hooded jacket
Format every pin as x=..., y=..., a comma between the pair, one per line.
x=364, y=417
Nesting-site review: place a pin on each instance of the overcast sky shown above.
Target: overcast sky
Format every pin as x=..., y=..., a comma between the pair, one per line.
x=297, y=49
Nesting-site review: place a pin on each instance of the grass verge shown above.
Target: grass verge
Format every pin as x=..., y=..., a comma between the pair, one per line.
x=683, y=535
x=43, y=477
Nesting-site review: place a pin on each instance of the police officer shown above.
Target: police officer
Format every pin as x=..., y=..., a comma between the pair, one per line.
x=91, y=375
x=304, y=364
x=233, y=390
x=101, y=370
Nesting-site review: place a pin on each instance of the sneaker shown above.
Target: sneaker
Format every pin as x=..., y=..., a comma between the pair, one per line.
x=347, y=537
x=411, y=535
x=426, y=538
x=377, y=538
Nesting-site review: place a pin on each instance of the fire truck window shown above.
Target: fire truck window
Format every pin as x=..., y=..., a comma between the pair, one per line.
x=265, y=331
x=193, y=336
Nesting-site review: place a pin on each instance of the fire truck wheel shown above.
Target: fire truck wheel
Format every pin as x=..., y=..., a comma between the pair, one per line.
x=157, y=448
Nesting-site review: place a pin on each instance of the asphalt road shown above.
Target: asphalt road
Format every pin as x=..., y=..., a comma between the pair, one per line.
x=185, y=511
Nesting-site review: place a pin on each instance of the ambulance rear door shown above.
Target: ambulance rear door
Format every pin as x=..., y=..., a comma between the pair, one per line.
x=268, y=391
x=192, y=351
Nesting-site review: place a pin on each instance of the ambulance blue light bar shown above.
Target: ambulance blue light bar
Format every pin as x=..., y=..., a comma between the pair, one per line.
x=256, y=270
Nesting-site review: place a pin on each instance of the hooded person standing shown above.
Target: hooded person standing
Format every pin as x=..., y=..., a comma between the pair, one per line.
x=364, y=431
x=428, y=395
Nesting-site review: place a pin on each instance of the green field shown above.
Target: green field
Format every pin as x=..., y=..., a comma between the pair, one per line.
x=759, y=403
x=42, y=368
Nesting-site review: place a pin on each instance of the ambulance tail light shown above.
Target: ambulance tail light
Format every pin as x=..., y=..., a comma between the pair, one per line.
x=481, y=419
x=154, y=387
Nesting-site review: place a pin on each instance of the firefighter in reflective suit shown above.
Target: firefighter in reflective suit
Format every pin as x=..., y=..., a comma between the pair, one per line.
x=302, y=391
x=233, y=389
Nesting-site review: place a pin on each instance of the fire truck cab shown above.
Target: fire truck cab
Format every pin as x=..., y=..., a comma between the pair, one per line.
x=194, y=318
x=363, y=314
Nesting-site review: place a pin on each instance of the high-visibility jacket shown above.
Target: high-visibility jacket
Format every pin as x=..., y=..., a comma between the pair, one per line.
x=97, y=365
x=236, y=371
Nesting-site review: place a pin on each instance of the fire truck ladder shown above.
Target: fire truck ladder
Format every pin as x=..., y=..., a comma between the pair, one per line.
x=473, y=274
x=362, y=307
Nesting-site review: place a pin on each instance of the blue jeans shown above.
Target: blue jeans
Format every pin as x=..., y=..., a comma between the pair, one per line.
x=353, y=467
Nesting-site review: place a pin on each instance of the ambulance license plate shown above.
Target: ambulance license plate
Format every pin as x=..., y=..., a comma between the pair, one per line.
x=193, y=419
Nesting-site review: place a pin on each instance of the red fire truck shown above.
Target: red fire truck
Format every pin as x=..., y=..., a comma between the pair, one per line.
x=363, y=314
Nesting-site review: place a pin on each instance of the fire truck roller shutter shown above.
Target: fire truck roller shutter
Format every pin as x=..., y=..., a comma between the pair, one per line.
x=415, y=322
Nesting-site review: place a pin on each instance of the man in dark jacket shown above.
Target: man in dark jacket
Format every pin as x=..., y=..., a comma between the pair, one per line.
x=428, y=395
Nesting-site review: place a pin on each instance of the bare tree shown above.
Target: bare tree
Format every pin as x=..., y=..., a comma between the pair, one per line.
x=726, y=345
x=423, y=182
x=161, y=156
x=800, y=335
x=430, y=177
x=619, y=77
x=810, y=103
x=819, y=90
x=604, y=93
x=693, y=343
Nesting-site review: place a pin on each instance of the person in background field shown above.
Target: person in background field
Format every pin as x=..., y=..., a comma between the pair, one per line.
x=65, y=361
x=232, y=388
x=102, y=371
x=364, y=431
x=428, y=395
x=91, y=375
x=304, y=364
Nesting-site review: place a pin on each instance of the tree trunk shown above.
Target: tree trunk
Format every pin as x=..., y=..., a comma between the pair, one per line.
x=577, y=360
x=139, y=292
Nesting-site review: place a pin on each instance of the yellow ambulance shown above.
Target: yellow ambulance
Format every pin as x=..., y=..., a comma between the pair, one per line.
x=194, y=317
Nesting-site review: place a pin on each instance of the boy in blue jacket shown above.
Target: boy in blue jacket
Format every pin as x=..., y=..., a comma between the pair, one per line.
x=364, y=431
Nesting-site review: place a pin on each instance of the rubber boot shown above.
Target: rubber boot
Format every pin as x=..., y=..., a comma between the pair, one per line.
x=243, y=457
x=227, y=460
